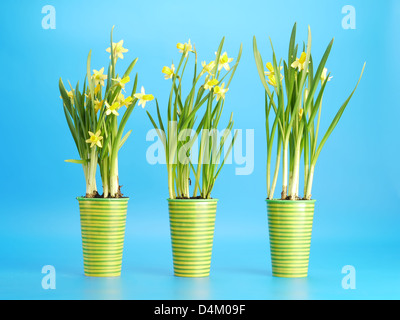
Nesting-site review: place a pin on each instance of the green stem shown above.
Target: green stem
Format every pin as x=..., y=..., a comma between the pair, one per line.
x=114, y=180
x=268, y=174
x=275, y=179
x=171, y=183
x=295, y=177
x=91, y=188
x=105, y=178
x=306, y=173
x=187, y=191
x=284, y=171
x=307, y=195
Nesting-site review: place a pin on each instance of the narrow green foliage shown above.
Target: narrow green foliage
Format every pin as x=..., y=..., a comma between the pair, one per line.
x=92, y=117
x=187, y=126
x=296, y=99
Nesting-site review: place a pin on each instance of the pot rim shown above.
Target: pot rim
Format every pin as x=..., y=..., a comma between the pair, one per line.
x=290, y=201
x=192, y=200
x=102, y=199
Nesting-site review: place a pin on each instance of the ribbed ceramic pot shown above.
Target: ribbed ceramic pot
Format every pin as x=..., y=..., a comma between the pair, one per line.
x=103, y=232
x=290, y=227
x=192, y=224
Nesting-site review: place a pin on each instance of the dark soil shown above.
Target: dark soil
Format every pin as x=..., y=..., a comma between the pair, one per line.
x=98, y=196
x=192, y=198
x=288, y=198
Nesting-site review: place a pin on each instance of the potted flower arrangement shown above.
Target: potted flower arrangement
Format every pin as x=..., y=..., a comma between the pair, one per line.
x=192, y=213
x=294, y=103
x=94, y=119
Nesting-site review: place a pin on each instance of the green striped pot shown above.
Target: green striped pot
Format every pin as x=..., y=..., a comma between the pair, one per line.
x=290, y=226
x=192, y=225
x=103, y=232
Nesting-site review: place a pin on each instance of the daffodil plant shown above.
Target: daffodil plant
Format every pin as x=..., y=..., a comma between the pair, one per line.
x=97, y=117
x=294, y=100
x=187, y=124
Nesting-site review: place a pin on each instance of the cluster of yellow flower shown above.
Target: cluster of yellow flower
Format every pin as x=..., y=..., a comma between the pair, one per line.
x=98, y=78
x=210, y=81
x=298, y=64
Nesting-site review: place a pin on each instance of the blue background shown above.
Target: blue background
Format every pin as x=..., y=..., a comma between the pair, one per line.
x=357, y=176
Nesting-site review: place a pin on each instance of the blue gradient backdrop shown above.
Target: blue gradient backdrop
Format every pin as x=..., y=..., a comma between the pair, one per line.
x=357, y=176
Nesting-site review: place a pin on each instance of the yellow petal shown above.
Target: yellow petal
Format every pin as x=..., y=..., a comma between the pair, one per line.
x=269, y=66
x=148, y=97
x=166, y=70
x=126, y=79
x=303, y=57
x=213, y=82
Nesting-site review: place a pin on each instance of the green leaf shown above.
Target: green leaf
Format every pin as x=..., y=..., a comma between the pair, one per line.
x=89, y=76
x=335, y=120
x=316, y=79
x=129, y=70
x=292, y=44
x=77, y=161
x=123, y=140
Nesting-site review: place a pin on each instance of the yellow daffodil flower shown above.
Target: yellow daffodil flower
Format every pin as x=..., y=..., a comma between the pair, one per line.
x=207, y=67
x=324, y=75
x=271, y=80
x=122, y=82
x=300, y=62
x=95, y=139
x=210, y=83
x=271, y=74
x=224, y=62
x=99, y=77
x=185, y=47
x=270, y=69
x=97, y=89
x=113, y=109
x=220, y=91
x=97, y=105
x=143, y=97
x=70, y=95
x=118, y=49
x=124, y=101
x=168, y=72
x=301, y=113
